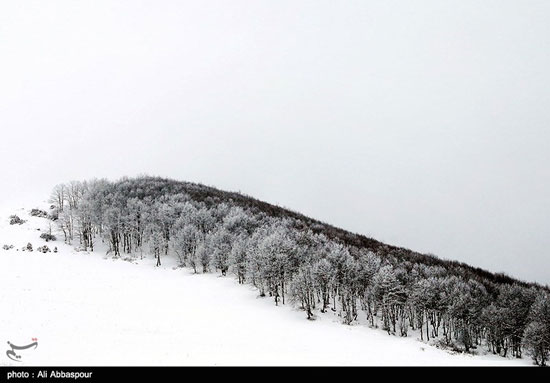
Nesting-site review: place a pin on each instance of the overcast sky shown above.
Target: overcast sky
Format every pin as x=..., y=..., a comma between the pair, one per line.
x=424, y=124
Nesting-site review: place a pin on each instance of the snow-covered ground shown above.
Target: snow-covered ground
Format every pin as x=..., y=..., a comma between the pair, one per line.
x=88, y=309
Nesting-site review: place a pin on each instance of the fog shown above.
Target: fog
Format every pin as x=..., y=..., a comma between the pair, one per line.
x=423, y=124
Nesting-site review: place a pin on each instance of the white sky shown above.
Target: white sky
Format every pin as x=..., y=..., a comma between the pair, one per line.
x=424, y=124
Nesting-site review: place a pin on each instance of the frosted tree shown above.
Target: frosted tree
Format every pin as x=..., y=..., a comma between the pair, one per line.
x=426, y=297
x=203, y=256
x=343, y=287
x=65, y=223
x=367, y=267
x=85, y=224
x=238, y=222
x=302, y=289
x=74, y=192
x=388, y=293
x=275, y=252
x=514, y=303
x=113, y=225
x=324, y=276
x=156, y=244
x=184, y=242
x=205, y=221
x=220, y=245
x=57, y=197
x=238, y=258
x=178, y=244
x=166, y=215
x=494, y=318
x=137, y=213
x=255, y=260
x=537, y=333
x=348, y=289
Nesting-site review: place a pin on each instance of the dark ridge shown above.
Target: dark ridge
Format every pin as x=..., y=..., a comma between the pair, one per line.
x=158, y=187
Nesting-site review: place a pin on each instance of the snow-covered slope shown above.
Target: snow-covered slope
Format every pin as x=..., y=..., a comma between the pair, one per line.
x=88, y=309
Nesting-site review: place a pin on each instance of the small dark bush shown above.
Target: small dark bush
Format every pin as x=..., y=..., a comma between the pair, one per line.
x=39, y=213
x=28, y=247
x=47, y=237
x=7, y=247
x=43, y=249
x=55, y=249
x=15, y=220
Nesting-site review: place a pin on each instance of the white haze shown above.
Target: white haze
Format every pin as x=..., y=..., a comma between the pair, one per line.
x=424, y=124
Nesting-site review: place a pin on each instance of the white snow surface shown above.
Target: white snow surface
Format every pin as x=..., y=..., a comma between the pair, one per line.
x=90, y=309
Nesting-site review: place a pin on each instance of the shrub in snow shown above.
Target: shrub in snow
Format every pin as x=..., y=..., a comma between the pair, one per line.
x=7, y=247
x=448, y=345
x=28, y=247
x=47, y=237
x=15, y=220
x=38, y=213
x=55, y=249
x=43, y=249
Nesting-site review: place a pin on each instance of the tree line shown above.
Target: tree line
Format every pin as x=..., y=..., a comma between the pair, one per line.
x=294, y=259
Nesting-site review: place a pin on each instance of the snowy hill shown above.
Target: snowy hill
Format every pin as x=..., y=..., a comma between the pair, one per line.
x=90, y=309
